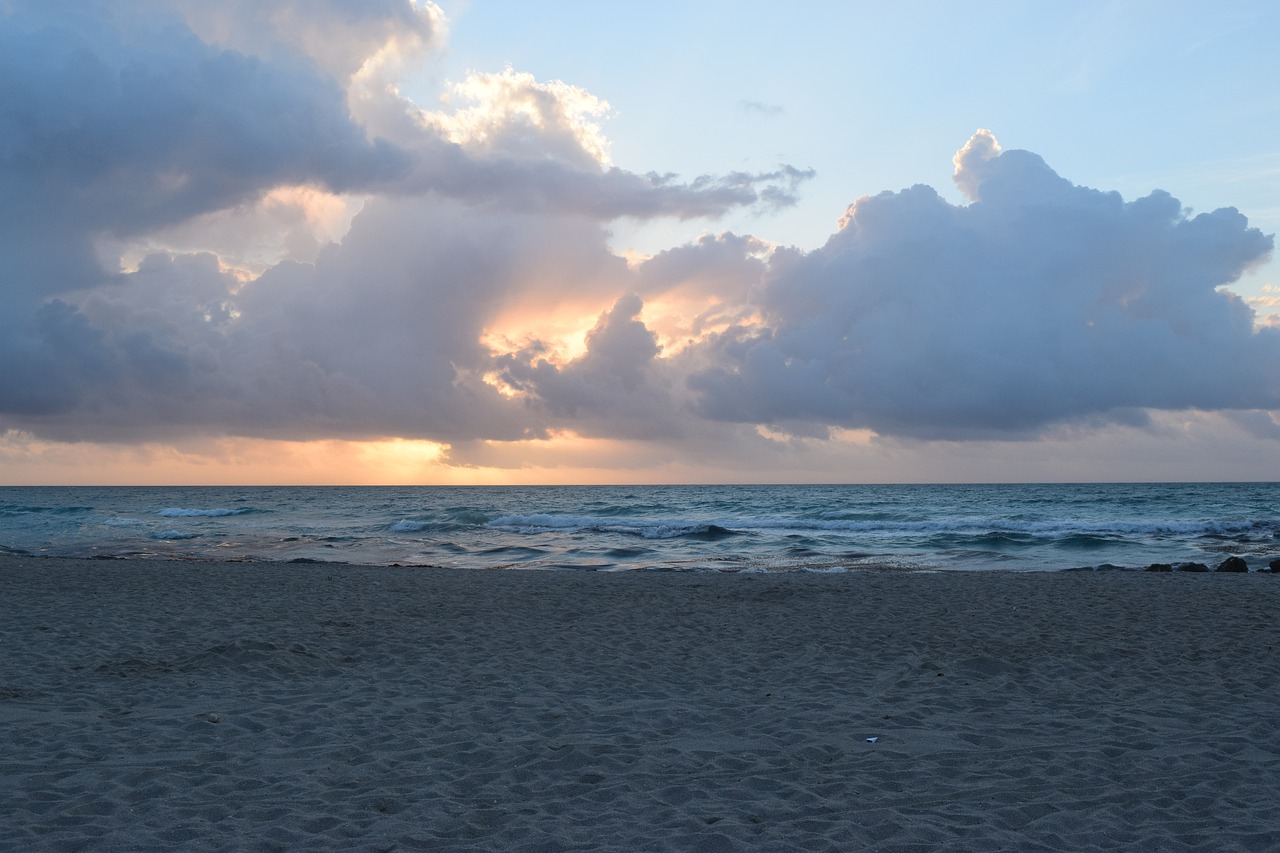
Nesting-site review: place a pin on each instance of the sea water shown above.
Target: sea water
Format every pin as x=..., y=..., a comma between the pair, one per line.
x=612, y=528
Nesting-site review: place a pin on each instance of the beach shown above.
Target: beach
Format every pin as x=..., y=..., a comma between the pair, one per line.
x=162, y=705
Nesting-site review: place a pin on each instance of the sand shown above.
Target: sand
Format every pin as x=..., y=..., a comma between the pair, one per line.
x=162, y=706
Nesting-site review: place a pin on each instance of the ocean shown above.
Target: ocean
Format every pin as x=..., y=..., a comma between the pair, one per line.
x=682, y=528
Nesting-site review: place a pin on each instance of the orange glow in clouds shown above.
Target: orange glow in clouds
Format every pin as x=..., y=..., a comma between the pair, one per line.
x=225, y=461
x=564, y=458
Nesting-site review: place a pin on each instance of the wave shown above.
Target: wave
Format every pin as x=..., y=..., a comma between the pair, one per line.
x=515, y=551
x=183, y=512
x=811, y=570
x=705, y=532
x=1012, y=531
x=413, y=525
x=8, y=510
x=465, y=516
x=644, y=528
x=628, y=553
x=986, y=527
x=409, y=526
x=680, y=529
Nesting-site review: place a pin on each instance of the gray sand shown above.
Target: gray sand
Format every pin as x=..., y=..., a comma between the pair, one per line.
x=159, y=706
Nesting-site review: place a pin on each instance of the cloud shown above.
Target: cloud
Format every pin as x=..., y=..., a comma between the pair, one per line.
x=760, y=108
x=616, y=389
x=497, y=113
x=535, y=144
x=114, y=131
x=343, y=38
x=1039, y=303
x=380, y=336
x=310, y=255
x=506, y=138
x=164, y=132
x=120, y=119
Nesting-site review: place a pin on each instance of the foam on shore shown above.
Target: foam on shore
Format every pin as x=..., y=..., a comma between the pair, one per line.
x=153, y=706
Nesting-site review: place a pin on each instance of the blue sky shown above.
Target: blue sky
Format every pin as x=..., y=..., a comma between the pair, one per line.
x=1126, y=96
x=305, y=241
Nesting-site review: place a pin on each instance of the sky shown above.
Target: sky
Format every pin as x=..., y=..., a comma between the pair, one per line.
x=320, y=241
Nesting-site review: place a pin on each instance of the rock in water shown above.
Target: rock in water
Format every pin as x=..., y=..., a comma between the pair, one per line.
x=1233, y=564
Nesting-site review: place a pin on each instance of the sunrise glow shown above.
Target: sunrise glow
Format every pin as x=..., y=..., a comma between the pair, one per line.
x=476, y=243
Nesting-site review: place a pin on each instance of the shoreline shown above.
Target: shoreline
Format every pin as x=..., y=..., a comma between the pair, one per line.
x=705, y=566
x=221, y=706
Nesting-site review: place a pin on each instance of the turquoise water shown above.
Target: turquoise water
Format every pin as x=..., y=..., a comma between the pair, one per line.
x=915, y=527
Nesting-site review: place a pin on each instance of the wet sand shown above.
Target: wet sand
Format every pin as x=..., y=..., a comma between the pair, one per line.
x=212, y=706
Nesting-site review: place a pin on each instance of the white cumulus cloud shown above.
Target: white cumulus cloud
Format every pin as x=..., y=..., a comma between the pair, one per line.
x=1038, y=303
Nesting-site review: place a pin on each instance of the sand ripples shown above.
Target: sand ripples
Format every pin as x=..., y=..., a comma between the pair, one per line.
x=154, y=706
